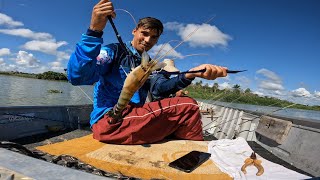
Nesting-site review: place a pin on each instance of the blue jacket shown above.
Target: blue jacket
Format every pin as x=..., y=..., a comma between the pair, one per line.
x=107, y=66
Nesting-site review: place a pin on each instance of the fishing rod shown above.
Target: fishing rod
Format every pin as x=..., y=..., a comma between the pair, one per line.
x=123, y=46
x=129, y=54
x=197, y=71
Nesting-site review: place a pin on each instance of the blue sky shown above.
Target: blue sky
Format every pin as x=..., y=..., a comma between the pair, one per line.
x=277, y=41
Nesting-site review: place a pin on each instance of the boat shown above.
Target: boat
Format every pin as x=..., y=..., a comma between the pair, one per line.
x=291, y=143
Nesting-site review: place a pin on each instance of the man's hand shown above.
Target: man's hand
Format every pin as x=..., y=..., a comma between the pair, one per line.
x=212, y=72
x=181, y=93
x=100, y=14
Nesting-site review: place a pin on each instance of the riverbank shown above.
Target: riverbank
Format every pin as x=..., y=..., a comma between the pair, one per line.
x=197, y=91
x=49, y=75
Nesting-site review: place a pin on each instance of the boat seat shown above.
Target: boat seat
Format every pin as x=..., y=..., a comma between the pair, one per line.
x=274, y=128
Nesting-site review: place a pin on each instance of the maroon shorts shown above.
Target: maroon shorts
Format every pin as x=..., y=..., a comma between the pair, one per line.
x=177, y=117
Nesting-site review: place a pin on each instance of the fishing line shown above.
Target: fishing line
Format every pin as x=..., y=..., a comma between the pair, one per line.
x=123, y=70
x=264, y=114
x=162, y=47
x=135, y=22
x=213, y=100
x=85, y=94
x=188, y=55
x=273, y=104
x=65, y=74
x=227, y=106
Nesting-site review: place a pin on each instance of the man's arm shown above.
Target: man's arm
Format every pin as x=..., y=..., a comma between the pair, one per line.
x=82, y=66
x=162, y=87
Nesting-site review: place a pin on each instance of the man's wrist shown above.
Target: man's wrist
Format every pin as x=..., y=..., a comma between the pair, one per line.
x=189, y=76
x=94, y=33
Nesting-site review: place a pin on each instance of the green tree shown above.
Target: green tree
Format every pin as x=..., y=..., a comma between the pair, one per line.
x=199, y=83
x=247, y=91
x=215, y=87
x=236, y=88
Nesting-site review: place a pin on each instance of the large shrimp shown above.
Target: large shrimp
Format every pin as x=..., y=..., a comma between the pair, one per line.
x=135, y=79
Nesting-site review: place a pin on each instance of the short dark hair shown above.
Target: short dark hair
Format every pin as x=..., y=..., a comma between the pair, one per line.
x=151, y=23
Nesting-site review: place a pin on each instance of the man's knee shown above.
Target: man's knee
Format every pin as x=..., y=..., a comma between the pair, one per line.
x=186, y=99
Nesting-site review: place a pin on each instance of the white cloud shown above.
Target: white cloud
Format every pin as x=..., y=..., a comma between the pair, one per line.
x=10, y=67
x=27, y=33
x=40, y=41
x=243, y=81
x=8, y=21
x=269, y=85
x=27, y=60
x=162, y=49
x=270, y=75
x=300, y=92
x=49, y=47
x=271, y=80
x=317, y=94
x=4, y=51
x=225, y=85
x=258, y=93
x=61, y=55
x=204, y=35
x=277, y=92
x=173, y=26
x=56, y=66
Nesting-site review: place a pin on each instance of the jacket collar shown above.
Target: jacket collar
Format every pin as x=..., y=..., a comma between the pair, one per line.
x=133, y=50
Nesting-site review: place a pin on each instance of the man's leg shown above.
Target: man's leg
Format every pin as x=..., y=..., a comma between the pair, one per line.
x=178, y=116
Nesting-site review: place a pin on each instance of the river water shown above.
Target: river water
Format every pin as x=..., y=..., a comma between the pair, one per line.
x=18, y=91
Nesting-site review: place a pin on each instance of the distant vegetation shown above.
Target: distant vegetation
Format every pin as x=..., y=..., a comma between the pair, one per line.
x=238, y=95
x=50, y=75
x=197, y=90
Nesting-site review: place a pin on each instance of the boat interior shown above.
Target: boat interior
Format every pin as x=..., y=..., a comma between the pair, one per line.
x=41, y=142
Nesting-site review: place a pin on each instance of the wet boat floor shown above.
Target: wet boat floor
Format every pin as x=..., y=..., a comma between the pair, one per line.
x=54, y=137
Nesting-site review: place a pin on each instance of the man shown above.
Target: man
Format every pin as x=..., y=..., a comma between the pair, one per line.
x=142, y=122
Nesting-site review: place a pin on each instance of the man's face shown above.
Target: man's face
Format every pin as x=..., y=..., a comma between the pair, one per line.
x=144, y=39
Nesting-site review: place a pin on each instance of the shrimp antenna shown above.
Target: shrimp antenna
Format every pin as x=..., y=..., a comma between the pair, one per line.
x=188, y=37
x=195, y=55
x=135, y=22
x=191, y=55
x=163, y=45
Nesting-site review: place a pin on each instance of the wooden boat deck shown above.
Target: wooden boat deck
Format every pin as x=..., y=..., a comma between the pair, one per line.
x=50, y=138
